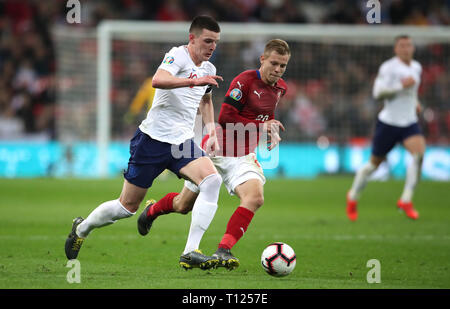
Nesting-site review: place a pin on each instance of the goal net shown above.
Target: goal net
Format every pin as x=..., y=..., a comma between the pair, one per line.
x=104, y=93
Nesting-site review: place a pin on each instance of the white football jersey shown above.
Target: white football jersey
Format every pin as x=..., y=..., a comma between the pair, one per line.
x=399, y=104
x=171, y=118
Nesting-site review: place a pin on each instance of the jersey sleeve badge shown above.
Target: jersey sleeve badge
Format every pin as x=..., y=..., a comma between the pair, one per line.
x=169, y=60
x=236, y=94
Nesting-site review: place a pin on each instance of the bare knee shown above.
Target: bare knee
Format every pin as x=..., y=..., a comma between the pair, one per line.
x=376, y=161
x=253, y=202
x=259, y=201
x=131, y=196
x=130, y=204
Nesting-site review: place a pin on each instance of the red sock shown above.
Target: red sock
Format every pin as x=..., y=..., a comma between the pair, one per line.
x=236, y=227
x=163, y=206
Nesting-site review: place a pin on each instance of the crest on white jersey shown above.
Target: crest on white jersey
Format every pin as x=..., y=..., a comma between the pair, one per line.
x=169, y=60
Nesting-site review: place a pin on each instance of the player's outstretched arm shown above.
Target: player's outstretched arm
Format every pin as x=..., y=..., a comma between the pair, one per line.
x=208, y=80
x=206, y=108
x=272, y=127
x=273, y=124
x=165, y=80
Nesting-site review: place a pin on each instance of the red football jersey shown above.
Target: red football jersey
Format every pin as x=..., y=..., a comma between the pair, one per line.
x=248, y=102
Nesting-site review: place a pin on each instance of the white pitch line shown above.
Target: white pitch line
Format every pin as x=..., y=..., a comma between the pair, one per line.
x=360, y=237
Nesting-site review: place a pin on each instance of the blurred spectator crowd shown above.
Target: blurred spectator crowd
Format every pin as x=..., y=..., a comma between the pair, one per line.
x=332, y=101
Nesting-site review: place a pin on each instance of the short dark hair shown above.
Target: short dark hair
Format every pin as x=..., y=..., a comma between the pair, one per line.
x=401, y=37
x=201, y=22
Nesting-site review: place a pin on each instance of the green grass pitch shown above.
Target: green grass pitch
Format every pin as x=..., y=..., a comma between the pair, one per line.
x=309, y=215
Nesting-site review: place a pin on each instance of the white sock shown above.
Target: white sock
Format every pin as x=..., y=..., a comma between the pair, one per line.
x=412, y=178
x=203, y=211
x=105, y=214
x=360, y=181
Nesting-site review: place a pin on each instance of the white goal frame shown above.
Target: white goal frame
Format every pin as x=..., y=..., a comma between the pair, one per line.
x=177, y=31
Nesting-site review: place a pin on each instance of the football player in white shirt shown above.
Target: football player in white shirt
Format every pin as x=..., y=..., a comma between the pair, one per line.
x=396, y=84
x=183, y=85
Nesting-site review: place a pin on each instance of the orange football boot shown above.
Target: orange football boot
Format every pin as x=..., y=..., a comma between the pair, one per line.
x=352, y=211
x=408, y=209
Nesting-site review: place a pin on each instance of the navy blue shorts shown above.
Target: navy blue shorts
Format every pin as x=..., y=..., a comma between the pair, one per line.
x=386, y=136
x=150, y=157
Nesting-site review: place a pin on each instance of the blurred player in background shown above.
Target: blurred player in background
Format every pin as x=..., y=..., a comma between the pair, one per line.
x=143, y=97
x=397, y=85
x=250, y=101
x=183, y=85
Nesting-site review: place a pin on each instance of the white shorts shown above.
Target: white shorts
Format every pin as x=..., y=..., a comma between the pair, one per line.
x=234, y=171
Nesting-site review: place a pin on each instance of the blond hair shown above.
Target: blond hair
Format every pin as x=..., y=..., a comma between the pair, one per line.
x=278, y=45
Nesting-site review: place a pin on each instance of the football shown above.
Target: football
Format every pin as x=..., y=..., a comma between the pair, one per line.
x=278, y=259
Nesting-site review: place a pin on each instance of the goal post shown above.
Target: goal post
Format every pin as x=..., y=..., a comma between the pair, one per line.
x=103, y=96
x=318, y=105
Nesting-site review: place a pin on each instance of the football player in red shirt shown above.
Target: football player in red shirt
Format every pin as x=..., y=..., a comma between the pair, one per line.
x=246, y=114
